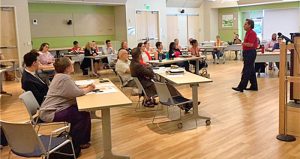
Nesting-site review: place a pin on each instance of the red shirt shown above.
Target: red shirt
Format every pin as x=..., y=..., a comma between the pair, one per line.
x=250, y=37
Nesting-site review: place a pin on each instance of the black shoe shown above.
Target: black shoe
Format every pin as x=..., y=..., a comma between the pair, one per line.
x=149, y=105
x=251, y=89
x=237, y=89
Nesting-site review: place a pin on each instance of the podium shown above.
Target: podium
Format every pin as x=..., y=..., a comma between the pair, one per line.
x=295, y=70
x=289, y=108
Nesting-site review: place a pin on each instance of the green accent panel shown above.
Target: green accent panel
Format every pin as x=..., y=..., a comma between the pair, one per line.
x=228, y=10
x=69, y=8
x=57, y=42
x=227, y=35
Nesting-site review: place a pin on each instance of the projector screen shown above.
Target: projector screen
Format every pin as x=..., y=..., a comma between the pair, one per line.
x=285, y=21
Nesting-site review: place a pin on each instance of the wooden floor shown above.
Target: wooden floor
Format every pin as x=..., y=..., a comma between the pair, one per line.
x=244, y=125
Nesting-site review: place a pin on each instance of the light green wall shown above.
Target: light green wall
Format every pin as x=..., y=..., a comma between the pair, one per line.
x=227, y=34
x=56, y=42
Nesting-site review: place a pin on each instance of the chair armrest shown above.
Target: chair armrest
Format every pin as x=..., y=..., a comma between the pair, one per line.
x=59, y=130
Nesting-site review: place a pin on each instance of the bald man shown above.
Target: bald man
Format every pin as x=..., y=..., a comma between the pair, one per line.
x=122, y=68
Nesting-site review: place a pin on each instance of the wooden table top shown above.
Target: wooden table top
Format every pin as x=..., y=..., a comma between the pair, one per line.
x=175, y=60
x=186, y=78
x=211, y=47
x=94, y=57
x=9, y=60
x=60, y=49
x=105, y=100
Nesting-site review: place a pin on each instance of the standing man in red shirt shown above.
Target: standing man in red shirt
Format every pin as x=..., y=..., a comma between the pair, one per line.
x=249, y=55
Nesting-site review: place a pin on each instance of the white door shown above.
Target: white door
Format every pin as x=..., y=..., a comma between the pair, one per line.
x=8, y=41
x=193, y=27
x=177, y=29
x=147, y=26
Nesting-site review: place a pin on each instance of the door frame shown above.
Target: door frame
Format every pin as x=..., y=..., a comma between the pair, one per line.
x=158, y=21
x=17, y=31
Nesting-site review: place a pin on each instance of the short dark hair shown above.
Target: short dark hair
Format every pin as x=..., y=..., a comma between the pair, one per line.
x=107, y=41
x=194, y=41
x=30, y=57
x=136, y=52
x=250, y=22
x=43, y=45
x=140, y=45
x=157, y=44
x=75, y=42
x=61, y=64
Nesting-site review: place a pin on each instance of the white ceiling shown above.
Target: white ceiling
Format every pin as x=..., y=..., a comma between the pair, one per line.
x=184, y=3
x=170, y=3
x=219, y=3
x=94, y=2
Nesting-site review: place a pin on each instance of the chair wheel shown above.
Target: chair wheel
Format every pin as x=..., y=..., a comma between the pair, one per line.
x=207, y=122
x=179, y=125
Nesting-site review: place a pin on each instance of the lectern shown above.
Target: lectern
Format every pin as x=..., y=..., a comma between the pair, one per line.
x=289, y=86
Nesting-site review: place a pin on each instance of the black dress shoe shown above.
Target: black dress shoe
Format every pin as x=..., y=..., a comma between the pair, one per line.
x=237, y=89
x=251, y=89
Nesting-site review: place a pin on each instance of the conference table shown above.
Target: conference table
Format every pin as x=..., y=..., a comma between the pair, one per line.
x=92, y=58
x=207, y=48
x=1, y=84
x=14, y=66
x=178, y=59
x=270, y=57
x=110, y=97
x=186, y=78
x=57, y=50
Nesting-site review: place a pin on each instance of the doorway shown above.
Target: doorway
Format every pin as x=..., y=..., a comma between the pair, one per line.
x=147, y=26
x=8, y=41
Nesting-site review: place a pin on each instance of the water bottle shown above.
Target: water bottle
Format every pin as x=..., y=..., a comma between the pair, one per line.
x=167, y=55
x=160, y=57
x=262, y=49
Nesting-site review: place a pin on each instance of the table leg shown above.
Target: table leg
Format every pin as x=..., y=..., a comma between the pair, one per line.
x=2, y=92
x=107, y=146
x=92, y=66
x=15, y=71
x=57, y=54
x=195, y=102
x=197, y=66
x=93, y=115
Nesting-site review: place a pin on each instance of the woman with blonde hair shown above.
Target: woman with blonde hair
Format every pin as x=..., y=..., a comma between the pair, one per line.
x=86, y=63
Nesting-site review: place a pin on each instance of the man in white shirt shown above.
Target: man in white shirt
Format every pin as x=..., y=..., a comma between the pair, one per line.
x=122, y=68
x=108, y=49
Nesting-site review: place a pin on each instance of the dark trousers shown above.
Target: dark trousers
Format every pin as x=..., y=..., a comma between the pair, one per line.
x=217, y=53
x=248, y=73
x=80, y=124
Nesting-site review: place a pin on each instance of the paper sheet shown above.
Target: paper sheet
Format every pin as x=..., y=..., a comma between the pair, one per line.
x=83, y=83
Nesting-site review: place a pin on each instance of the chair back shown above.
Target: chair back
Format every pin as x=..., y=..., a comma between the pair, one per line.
x=120, y=79
x=22, y=138
x=140, y=86
x=30, y=102
x=163, y=93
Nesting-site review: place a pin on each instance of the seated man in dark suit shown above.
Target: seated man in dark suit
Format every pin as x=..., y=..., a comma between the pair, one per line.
x=30, y=81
